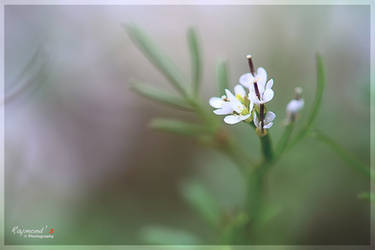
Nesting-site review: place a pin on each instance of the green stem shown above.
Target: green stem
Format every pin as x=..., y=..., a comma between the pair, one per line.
x=266, y=145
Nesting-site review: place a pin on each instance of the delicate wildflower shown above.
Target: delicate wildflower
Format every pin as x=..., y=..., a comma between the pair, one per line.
x=295, y=105
x=267, y=121
x=237, y=107
x=260, y=91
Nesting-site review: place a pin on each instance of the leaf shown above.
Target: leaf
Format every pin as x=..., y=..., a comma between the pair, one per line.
x=158, y=95
x=160, y=235
x=199, y=199
x=222, y=76
x=177, y=127
x=320, y=83
x=195, y=59
x=157, y=57
x=344, y=154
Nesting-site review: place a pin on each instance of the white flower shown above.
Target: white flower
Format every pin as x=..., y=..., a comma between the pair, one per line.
x=294, y=106
x=269, y=117
x=265, y=88
x=232, y=105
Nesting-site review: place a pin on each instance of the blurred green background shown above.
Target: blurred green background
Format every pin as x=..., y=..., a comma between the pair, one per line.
x=81, y=158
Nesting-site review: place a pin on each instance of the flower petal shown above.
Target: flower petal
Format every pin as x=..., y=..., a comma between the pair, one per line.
x=256, y=121
x=268, y=95
x=251, y=106
x=261, y=78
x=226, y=110
x=269, y=117
x=234, y=102
x=244, y=117
x=216, y=102
x=246, y=80
x=239, y=90
x=268, y=125
x=294, y=106
x=269, y=84
x=253, y=97
x=232, y=119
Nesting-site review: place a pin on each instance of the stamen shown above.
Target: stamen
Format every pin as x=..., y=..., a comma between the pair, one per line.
x=251, y=65
x=261, y=116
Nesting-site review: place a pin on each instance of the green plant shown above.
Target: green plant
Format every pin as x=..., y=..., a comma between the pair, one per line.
x=249, y=108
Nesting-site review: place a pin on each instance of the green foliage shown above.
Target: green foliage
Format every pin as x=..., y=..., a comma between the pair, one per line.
x=202, y=201
x=222, y=75
x=178, y=127
x=159, y=235
x=157, y=57
x=195, y=59
x=158, y=95
x=255, y=213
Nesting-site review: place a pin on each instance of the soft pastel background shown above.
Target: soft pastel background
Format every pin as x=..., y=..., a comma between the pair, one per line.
x=81, y=158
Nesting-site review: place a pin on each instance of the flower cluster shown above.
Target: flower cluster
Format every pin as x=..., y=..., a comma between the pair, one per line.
x=247, y=105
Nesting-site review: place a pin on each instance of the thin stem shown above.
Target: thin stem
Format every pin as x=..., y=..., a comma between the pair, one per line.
x=266, y=148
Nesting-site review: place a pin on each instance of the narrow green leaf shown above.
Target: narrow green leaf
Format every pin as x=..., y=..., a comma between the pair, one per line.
x=199, y=198
x=348, y=157
x=161, y=235
x=320, y=83
x=195, y=59
x=178, y=127
x=158, y=95
x=222, y=75
x=157, y=57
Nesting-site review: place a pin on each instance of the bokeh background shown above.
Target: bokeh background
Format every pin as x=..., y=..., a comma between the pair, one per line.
x=81, y=158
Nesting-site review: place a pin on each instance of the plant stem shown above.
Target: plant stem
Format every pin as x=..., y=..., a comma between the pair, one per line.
x=266, y=145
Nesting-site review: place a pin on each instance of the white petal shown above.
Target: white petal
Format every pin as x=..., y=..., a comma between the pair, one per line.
x=225, y=110
x=232, y=119
x=268, y=95
x=261, y=77
x=216, y=102
x=230, y=96
x=239, y=90
x=269, y=84
x=268, y=125
x=269, y=117
x=251, y=106
x=253, y=97
x=256, y=121
x=246, y=80
x=294, y=106
x=234, y=102
x=244, y=117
